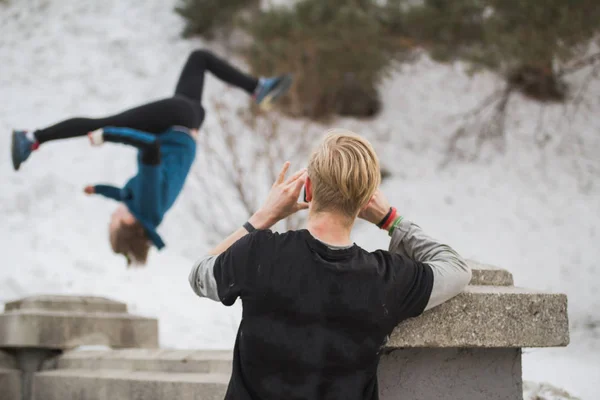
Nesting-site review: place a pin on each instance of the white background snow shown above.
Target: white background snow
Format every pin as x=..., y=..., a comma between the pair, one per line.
x=533, y=210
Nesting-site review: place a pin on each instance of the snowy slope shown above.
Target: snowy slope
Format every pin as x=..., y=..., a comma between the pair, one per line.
x=533, y=211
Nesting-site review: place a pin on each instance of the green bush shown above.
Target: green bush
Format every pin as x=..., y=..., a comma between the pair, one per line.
x=205, y=17
x=521, y=40
x=338, y=50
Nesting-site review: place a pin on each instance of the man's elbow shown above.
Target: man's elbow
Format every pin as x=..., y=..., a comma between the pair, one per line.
x=462, y=276
x=467, y=273
x=192, y=277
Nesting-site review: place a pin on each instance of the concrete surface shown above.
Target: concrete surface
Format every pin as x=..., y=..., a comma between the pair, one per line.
x=29, y=361
x=489, y=316
x=484, y=274
x=10, y=378
x=67, y=303
x=451, y=374
x=188, y=361
x=127, y=385
x=69, y=329
x=10, y=384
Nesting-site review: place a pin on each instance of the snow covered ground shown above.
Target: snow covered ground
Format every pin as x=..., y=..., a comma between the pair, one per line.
x=532, y=210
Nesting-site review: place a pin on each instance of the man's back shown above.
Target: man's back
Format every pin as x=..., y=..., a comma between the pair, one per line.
x=314, y=316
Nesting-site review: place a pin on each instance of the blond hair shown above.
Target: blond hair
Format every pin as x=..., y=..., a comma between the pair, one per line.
x=344, y=171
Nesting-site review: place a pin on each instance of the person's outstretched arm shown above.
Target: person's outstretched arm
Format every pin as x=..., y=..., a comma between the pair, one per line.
x=109, y=191
x=144, y=141
x=451, y=273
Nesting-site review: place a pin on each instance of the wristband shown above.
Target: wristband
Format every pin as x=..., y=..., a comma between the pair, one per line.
x=395, y=224
x=249, y=227
x=380, y=224
x=389, y=219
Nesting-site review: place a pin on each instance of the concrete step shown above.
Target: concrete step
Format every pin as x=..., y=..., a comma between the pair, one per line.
x=74, y=384
x=67, y=303
x=10, y=384
x=176, y=361
x=66, y=322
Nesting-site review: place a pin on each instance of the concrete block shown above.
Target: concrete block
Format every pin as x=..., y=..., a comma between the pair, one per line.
x=451, y=374
x=65, y=330
x=127, y=385
x=484, y=274
x=489, y=316
x=67, y=303
x=186, y=361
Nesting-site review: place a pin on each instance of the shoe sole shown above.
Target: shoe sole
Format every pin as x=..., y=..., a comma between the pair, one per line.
x=15, y=152
x=278, y=91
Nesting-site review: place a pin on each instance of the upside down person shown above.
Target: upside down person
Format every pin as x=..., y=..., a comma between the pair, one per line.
x=164, y=132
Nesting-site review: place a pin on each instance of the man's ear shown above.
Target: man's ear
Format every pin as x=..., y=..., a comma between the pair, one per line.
x=308, y=188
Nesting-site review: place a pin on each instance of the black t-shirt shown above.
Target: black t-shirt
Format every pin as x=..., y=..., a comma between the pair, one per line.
x=314, y=318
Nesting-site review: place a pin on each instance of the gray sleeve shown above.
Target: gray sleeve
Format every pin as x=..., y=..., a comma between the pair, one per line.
x=202, y=278
x=451, y=273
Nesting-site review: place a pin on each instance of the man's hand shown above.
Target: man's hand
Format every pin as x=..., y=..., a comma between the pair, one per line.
x=89, y=190
x=282, y=200
x=376, y=208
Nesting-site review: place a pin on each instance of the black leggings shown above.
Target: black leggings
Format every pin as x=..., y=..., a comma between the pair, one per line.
x=183, y=109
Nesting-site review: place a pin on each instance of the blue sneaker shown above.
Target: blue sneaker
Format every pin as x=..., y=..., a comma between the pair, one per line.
x=270, y=89
x=21, y=148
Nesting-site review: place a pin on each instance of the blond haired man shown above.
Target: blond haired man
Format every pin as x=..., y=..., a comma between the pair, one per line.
x=316, y=307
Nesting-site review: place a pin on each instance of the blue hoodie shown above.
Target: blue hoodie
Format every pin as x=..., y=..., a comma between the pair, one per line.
x=152, y=192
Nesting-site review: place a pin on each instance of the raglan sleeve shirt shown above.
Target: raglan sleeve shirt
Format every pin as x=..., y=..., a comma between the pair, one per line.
x=423, y=273
x=149, y=168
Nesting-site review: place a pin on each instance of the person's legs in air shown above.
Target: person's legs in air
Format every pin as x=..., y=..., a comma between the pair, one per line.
x=265, y=90
x=184, y=109
x=155, y=117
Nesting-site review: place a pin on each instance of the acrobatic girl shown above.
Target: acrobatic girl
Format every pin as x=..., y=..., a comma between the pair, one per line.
x=164, y=131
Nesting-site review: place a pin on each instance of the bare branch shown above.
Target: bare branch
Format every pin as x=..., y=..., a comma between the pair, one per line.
x=238, y=165
x=580, y=64
x=485, y=123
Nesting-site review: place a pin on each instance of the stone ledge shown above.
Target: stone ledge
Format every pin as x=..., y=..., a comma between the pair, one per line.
x=188, y=361
x=122, y=385
x=67, y=303
x=70, y=329
x=10, y=384
x=489, y=316
x=484, y=274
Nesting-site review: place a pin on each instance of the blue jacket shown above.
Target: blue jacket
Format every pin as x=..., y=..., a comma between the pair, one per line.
x=150, y=193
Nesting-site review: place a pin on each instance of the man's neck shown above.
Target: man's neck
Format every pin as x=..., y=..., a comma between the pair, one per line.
x=330, y=228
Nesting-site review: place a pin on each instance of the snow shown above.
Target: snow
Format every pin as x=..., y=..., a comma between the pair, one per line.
x=533, y=210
